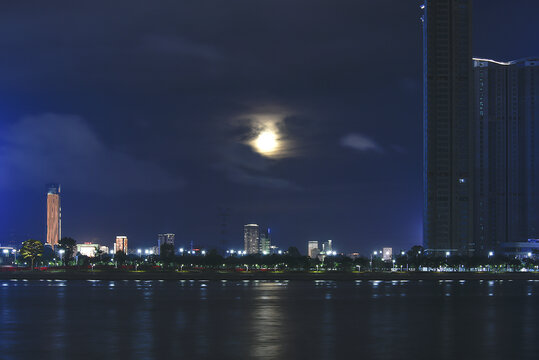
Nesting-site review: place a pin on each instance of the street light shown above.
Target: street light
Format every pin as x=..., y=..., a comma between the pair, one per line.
x=139, y=252
x=203, y=252
x=529, y=254
x=447, y=253
x=5, y=251
x=490, y=253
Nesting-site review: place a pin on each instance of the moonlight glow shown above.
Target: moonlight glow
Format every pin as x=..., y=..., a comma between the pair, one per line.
x=266, y=142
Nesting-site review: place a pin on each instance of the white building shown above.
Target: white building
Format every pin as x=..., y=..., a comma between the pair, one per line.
x=313, y=249
x=387, y=254
x=87, y=249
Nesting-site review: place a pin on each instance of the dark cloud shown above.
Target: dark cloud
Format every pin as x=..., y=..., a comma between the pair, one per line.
x=63, y=148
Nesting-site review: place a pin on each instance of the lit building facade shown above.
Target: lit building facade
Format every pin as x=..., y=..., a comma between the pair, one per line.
x=87, y=249
x=165, y=239
x=251, y=238
x=312, y=249
x=387, y=254
x=54, y=215
x=120, y=244
x=327, y=246
x=448, y=126
x=506, y=111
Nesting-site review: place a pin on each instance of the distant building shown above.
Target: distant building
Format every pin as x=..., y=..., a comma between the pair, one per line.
x=387, y=254
x=54, y=215
x=265, y=243
x=164, y=239
x=121, y=244
x=275, y=250
x=87, y=249
x=7, y=251
x=448, y=126
x=521, y=249
x=104, y=249
x=251, y=238
x=327, y=247
x=507, y=152
x=313, y=251
x=354, y=256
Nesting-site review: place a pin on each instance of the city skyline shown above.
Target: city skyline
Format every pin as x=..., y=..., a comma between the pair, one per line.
x=332, y=163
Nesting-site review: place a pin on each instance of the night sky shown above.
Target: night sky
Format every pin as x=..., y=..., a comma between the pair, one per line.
x=148, y=113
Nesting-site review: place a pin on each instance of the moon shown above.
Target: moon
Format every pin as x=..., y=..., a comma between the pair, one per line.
x=266, y=142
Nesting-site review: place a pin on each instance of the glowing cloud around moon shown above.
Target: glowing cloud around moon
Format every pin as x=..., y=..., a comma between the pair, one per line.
x=267, y=134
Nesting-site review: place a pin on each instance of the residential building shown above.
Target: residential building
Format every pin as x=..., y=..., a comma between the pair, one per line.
x=506, y=111
x=448, y=126
x=251, y=238
x=120, y=244
x=164, y=239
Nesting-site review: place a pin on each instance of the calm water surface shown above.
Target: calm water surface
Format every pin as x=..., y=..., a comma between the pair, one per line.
x=270, y=320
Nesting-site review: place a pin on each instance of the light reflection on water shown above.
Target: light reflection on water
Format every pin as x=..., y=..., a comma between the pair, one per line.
x=268, y=319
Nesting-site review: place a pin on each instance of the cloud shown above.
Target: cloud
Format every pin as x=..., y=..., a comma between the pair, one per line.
x=180, y=46
x=243, y=176
x=243, y=166
x=64, y=149
x=360, y=142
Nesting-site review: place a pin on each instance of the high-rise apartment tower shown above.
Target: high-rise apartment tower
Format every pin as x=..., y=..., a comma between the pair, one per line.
x=120, y=244
x=448, y=126
x=506, y=112
x=251, y=238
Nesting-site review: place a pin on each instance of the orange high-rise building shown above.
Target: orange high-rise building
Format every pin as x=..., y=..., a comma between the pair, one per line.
x=54, y=215
x=121, y=244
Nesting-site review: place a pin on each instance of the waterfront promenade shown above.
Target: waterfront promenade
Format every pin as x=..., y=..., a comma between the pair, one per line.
x=239, y=276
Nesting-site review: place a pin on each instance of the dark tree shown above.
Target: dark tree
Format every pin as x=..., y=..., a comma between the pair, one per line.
x=68, y=245
x=293, y=252
x=167, y=252
x=120, y=258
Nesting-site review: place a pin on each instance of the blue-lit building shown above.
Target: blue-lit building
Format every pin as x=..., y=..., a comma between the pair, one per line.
x=506, y=113
x=448, y=127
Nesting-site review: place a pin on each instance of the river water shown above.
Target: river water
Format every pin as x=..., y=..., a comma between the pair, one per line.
x=269, y=320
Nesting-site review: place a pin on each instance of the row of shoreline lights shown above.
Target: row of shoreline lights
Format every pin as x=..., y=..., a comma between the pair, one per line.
x=151, y=252
x=243, y=252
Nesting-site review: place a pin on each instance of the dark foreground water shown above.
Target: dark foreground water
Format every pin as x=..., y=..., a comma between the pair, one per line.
x=273, y=320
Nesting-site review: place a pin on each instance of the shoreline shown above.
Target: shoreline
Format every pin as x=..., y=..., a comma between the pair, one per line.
x=217, y=276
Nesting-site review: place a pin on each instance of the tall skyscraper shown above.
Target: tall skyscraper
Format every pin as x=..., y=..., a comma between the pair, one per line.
x=120, y=244
x=448, y=126
x=251, y=238
x=164, y=239
x=54, y=215
x=506, y=111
